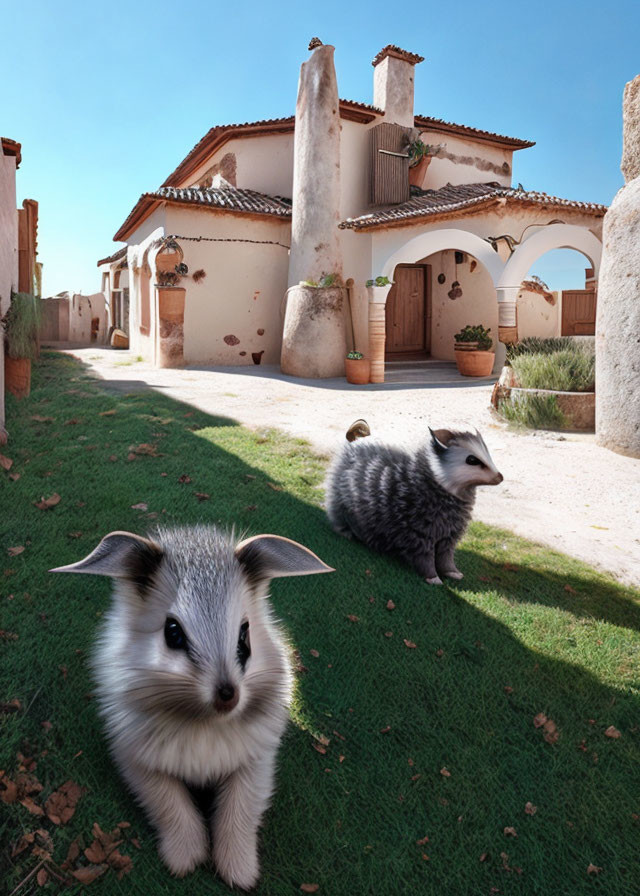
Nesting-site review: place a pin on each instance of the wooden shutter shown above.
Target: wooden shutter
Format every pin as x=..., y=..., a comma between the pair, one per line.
x=389, y=174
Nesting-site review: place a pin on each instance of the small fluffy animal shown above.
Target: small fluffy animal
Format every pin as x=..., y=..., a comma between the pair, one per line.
x=194, y=684
x=414, y=504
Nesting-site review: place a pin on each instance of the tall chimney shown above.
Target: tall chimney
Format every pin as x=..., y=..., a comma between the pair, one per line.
x=393, y=84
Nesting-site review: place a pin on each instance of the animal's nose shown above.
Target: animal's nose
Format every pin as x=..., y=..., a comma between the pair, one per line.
x=498, y=478
x=226, y=697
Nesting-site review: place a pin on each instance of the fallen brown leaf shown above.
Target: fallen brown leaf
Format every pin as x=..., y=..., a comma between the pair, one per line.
x=539, y=720
x=276, y=488
x=483, y=857
x=570, y=590
x=141, y=506
x=38, y=419
x=439, y=652
x=423, y=841
x=551, y=733
x=145, y=449
x=202, y=496
x=325, y=741
x=352, y=618
x=530, y=809
x=184, y=479
x=409, y=644
x=107, y=413
x=48, y=503
x=61, y=805
x=594, y=869
x=120, y=863
x=388, y=634
x=89, y=873
x=445, y=772
x=31, y=806
x=508, y=690
x=72, y=854
x=390, y=605
x=319, y=748
x=510, y=832
x=42, y=877
x=14, y=476
x=12, y=706
x=8, y=789
x=385, y=730
x=73, y=422
x=7, y=636
x=13, y=552
x=612, y=732
x=314, y=652
x=309, y=888
x=5, y=462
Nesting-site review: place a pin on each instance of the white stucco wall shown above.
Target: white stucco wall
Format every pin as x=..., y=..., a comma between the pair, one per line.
x=81, y=311
x=8, y=253
x=536, y=316
x=263, y=163
x=466, y=161
x=243, y=290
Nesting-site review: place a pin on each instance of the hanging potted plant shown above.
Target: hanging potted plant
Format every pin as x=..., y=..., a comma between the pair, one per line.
x=473, y=346
x=20, y=342
x=357, y=368
x=420, y=155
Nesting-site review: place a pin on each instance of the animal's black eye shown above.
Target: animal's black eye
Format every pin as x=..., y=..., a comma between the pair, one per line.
x=473, y=460
x=174, y=636
x=243, y=651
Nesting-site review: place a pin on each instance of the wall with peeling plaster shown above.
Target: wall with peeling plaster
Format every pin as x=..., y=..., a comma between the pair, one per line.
x=263, y=163
x=465, y=161
x=536, y=316
x=242, y=292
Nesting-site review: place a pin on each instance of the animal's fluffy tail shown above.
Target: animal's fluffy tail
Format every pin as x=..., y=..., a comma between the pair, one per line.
x=358, y=430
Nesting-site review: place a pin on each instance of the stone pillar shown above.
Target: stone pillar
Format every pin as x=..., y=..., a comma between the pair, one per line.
x=171, y=326
x=313, y=339
x=618, y=310
x=377, y=330
x=315, y=248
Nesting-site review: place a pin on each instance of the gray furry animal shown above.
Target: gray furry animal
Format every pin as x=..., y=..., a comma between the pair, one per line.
x=194, y=684
x=416, y=504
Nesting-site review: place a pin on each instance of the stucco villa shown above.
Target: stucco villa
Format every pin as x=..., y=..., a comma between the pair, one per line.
x=255, y=208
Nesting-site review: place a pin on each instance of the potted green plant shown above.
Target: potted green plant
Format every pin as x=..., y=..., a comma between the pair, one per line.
x=473, y=346
x=357, y=368
x=420, y=155
x=20, y=325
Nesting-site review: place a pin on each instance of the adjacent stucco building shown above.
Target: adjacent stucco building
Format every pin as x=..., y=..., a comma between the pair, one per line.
x=457, y=245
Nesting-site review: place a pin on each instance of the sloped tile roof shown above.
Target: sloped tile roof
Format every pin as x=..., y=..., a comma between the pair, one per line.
x=426, y=122
x=230, y=199
x=459, y=198
x=121, y=253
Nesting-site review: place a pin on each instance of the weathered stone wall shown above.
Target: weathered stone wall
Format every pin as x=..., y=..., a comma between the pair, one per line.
x=618, y=312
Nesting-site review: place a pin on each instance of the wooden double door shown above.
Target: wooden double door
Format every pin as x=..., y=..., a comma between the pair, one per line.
x=408, y=313
x=578, y=312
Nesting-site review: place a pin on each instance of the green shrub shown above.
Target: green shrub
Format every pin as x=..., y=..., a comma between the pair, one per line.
x=569, y=370
x=532, y=345
x=535, y=411
x=477, y=334
x=21, y=324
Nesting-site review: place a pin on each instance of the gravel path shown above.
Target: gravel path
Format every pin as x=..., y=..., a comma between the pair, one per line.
x=562, y=490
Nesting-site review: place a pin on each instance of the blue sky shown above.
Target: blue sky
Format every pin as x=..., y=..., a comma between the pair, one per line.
x=107, y=99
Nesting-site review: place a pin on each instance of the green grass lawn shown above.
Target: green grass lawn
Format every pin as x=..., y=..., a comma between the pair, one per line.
x=527, y=631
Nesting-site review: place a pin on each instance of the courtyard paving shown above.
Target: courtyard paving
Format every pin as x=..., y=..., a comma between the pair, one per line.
x=562, y=490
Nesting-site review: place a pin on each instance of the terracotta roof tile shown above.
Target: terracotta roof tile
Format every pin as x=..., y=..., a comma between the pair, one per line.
x=461, y=197
x=426, y=122
x=11, y=148
x=121, y=253
x=228, y=198
x=392, y=50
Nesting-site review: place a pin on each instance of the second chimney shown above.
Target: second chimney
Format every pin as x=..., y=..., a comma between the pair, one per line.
x=393, y=84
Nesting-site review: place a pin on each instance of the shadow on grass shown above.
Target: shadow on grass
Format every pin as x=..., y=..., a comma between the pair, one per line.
x=396, y=715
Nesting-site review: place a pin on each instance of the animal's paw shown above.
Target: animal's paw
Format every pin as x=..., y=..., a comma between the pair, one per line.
x=453, y=574
x=184, y=848
x=237, y=861
x=435, y=580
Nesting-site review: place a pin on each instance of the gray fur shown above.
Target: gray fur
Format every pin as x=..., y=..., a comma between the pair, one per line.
x=413, y=504
x=167, y=730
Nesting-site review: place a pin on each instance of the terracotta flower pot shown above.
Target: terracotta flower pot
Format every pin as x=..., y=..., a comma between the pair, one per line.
x=17, y=376
x=466, y=346
x=475, y=363
x=418, y=173
x=357, y=370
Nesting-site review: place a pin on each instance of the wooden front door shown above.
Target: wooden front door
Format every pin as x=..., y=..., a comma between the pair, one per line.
x=578, y=312
x=407, y=311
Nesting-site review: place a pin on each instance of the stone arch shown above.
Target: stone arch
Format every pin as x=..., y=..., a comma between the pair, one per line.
x=554, y=236
x=432, y=241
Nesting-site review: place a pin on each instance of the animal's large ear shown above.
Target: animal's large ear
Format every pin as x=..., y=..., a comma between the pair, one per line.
x=121, y=555
x=271, y=557
x=441, y=439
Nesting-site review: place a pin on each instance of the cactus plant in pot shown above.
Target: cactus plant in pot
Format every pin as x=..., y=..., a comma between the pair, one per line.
x=20, y=325
x=473, y=346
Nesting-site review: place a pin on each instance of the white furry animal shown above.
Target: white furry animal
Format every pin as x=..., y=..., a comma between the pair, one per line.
x=414, y=504
x=194, y=684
